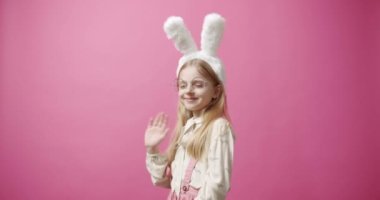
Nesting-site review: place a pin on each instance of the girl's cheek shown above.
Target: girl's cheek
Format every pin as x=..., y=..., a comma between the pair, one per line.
x=180, y=93
x=200, y=92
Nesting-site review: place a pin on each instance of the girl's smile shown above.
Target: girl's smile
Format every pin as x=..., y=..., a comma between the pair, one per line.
x=190, y=99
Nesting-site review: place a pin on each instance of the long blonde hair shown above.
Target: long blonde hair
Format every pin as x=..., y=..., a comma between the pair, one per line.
x=217, y=108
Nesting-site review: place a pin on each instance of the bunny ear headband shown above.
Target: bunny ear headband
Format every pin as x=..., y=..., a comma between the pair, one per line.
x=212, y=32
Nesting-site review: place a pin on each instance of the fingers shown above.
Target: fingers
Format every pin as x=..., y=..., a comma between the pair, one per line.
x=166, y=131
x=159, y=120
x=164, y=120
x=151, y=122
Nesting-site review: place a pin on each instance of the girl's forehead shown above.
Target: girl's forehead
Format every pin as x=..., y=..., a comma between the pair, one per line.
x=189, y=73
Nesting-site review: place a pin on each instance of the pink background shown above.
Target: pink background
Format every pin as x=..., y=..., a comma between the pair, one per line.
x=79, y=80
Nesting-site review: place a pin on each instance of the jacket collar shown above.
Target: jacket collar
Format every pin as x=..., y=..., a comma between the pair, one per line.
x=192, y=123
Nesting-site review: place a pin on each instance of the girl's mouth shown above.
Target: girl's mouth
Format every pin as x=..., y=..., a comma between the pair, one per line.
x=191, y=99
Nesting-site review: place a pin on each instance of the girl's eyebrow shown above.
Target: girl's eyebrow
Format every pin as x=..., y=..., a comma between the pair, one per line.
x=192, y=79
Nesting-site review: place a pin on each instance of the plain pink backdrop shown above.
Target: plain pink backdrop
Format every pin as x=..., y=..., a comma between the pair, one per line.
x=80, y=79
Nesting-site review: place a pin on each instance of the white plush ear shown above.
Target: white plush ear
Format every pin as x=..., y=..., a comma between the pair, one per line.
x=177, y=32
x=212, y=33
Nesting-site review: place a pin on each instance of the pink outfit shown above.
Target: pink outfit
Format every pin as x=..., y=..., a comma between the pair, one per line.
x=187, y=191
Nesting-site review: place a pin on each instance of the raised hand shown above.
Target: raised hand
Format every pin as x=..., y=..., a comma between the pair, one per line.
x=156, y=131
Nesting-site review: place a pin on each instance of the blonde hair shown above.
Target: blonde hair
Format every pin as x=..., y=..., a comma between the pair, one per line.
x=217, y=108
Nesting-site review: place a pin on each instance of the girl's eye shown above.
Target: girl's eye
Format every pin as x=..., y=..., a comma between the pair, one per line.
x=198, y=84
x=182, y=85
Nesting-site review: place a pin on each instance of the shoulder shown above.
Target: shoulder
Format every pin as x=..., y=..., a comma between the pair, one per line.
x=221, y=127
x=221, y=121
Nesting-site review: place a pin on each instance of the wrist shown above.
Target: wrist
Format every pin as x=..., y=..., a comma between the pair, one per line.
x=152, y=150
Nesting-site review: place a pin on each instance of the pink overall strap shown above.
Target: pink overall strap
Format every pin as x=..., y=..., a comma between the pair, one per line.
x=185, y=185
x=189, y=171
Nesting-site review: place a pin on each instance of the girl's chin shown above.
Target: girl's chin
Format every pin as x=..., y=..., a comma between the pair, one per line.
x=189, y=103
x=191, y=108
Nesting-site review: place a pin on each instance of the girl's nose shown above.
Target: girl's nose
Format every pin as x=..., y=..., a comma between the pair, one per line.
x=189, y=89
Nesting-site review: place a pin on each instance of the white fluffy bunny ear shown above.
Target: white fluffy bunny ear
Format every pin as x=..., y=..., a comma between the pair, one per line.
x=177, y=32
x=212, y=33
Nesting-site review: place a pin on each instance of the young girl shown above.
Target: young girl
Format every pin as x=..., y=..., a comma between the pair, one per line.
x=198, y=162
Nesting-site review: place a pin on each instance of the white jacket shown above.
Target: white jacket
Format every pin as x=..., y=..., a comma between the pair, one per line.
x=211, y=175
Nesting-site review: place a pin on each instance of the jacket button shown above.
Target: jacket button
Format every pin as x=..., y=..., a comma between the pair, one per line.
x=184, y=188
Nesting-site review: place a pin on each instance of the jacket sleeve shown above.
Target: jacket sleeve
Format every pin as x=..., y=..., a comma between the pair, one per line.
x=220, y=157
x=157, y=165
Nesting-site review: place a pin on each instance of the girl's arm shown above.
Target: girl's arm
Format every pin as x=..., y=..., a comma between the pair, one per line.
x=157, y=166
x=220, y=156
x=156, y=163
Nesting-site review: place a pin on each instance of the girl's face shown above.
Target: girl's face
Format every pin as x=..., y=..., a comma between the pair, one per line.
x=194, y=90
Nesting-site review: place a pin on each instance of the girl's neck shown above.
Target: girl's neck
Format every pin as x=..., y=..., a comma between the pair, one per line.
x=198, y=114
